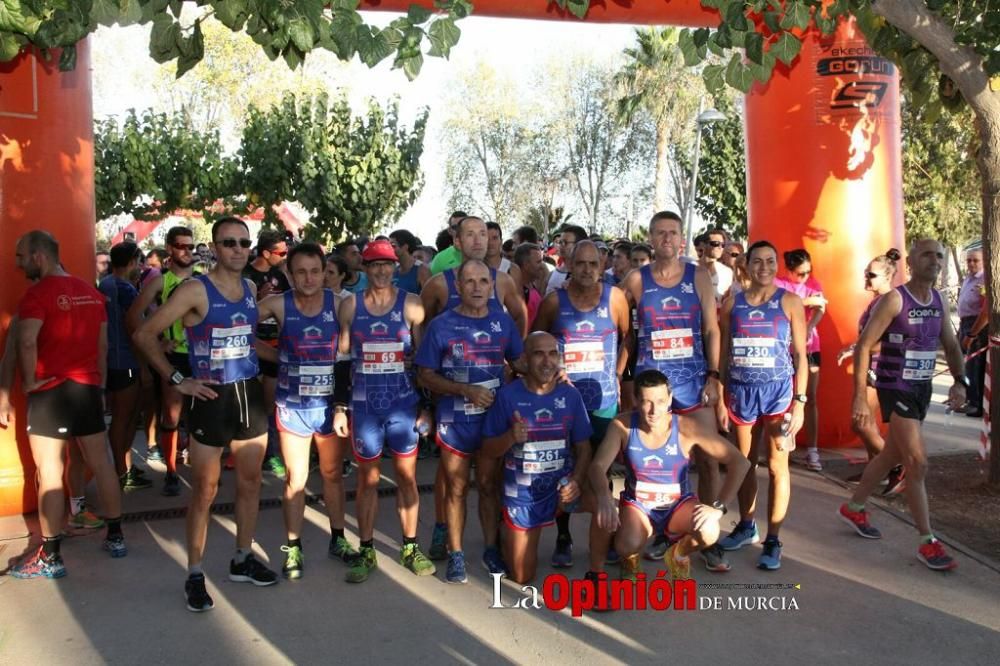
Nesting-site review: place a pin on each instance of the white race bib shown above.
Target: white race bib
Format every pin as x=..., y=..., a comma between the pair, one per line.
x=918, y=366
x=233, y=342
x=470, y=409
x=672, y=344
x=583, y=357
x=543, y=456
x=657, y=495
x=381, y=358
x=315, y=380
x=753, y=352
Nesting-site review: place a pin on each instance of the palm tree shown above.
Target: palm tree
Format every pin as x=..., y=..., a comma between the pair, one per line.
x=654, y=80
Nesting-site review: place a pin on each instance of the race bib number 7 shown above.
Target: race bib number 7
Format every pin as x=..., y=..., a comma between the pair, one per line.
x=672, y=344
x=583, y=357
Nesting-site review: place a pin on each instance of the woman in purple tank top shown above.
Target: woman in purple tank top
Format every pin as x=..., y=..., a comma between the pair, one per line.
x=878, y=281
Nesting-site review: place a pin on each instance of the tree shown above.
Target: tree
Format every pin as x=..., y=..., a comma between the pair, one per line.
x=355, y=173
x=652, y=67
x=721, y=197
x=939, y=175
x=494, y=143
x=602, y=152
x=155, y=163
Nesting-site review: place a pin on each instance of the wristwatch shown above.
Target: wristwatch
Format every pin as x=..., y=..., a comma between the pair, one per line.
x=801, y=397
x=713, y=374
x=176, y=378
x=717, y=504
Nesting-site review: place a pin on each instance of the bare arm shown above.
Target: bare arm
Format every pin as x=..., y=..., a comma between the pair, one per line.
x=512, y=299
x=721, y=451
x=27, y=352
x=796, y=313
x=623, y=320
x=434, y=295
x=135, y=314
x=9, y=361
x=270, y=306
x=882, y=315
x=413, y=310
x=725, y=338
x=102, y=354
x=953, y=354
x=182, y=301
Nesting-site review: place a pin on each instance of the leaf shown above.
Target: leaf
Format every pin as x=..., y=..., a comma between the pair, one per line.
x=104, y=12
x=773, y=21
x=714, y=76
x=292, y=56
x=67, y=59
x=786, y=48
x=9, y=46
x=417, y=14
x=578, y=8
x=738, y=75
x=130, y=12
x=231, y=13
x=13, y=18
x=443, y=35
x=373, y=48
x=163, y=39
x=685, y=41
x=301, y=33
x=736, y=17
x=411, y=66
x=797, y=15
x=192, y=50
x=754, y=45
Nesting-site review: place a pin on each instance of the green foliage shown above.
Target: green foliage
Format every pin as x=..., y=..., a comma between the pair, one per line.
x=721, y=199
x=940, y=181
x=286, y=29
x=155, y=163
x=354, y=173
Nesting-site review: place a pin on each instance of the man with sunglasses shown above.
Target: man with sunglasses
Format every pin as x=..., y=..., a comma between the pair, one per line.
x=571, y=234
x=267, y=272
x=181, y=248
x=450, y=257
x=219, y=312
x=711, y=260
x=731, y=253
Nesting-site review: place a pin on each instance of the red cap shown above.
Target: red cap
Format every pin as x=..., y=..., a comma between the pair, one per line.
x=379, y=250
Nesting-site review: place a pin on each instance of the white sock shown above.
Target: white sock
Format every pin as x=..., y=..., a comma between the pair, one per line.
x=75, y=505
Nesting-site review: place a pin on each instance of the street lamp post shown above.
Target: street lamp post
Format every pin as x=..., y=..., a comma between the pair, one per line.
x=704, y=118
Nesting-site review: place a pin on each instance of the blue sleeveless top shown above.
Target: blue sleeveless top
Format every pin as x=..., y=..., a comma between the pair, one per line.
x=655, y=478
x=588, y=342
x=670, y=328
x=379, y=347
x=761, y=339
x=909, y=345
x=221, y=347
x=407, y=281
x=307, y=349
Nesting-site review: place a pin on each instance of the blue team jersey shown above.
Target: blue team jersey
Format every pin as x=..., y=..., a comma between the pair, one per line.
x=221, y=346
x=655, y=478
x=588, y=343
x=669, y=322
x=469, y=351
x=761, y=337
x=379, y=348
x=119, y=295
x=407, y=281
x=454, y=299
x=307, y=349
x=555, y=422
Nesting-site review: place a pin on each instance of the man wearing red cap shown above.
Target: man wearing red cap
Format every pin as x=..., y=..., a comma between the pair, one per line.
x=380, y=329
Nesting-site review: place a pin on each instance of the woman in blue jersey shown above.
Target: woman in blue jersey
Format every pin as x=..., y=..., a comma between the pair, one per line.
x=765, y=369
x=656, y=447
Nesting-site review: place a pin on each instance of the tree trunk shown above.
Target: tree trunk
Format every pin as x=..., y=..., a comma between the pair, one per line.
x=965, y=68
x=662, y=155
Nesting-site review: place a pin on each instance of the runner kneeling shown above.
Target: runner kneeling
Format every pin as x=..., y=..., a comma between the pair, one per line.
x=656, y=447
x=540, y=426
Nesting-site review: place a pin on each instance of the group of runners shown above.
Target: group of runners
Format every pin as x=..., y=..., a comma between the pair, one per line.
x=663, y=366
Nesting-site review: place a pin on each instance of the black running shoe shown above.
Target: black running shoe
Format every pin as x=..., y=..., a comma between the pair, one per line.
x=251, y=571
x=171, y=485
x=197, y=597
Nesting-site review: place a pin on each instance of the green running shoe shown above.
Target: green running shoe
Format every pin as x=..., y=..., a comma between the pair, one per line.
x=361, y=566
x=293, y=562
x=341, y=549
x=411, y=558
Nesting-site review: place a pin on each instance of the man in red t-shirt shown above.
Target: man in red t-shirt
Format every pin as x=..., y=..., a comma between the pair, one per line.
x=62, y=343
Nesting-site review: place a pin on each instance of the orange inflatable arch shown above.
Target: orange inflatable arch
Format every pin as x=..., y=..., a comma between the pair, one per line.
x=823, y=156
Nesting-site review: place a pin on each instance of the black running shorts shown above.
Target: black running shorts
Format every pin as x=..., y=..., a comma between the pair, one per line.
x=66, y=411
x=907, y=404
x=121, y=379
x=237, y=413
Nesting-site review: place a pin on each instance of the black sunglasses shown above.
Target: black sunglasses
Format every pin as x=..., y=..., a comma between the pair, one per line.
x=230, y=243
x=735, y=254
x=716, y=243
x=185, y=246
x=870, y=276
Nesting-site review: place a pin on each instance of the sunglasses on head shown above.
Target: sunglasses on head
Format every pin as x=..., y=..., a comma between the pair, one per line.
x=716, y=243
x=870, y=276
x=230, y=243
x=185, y=246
